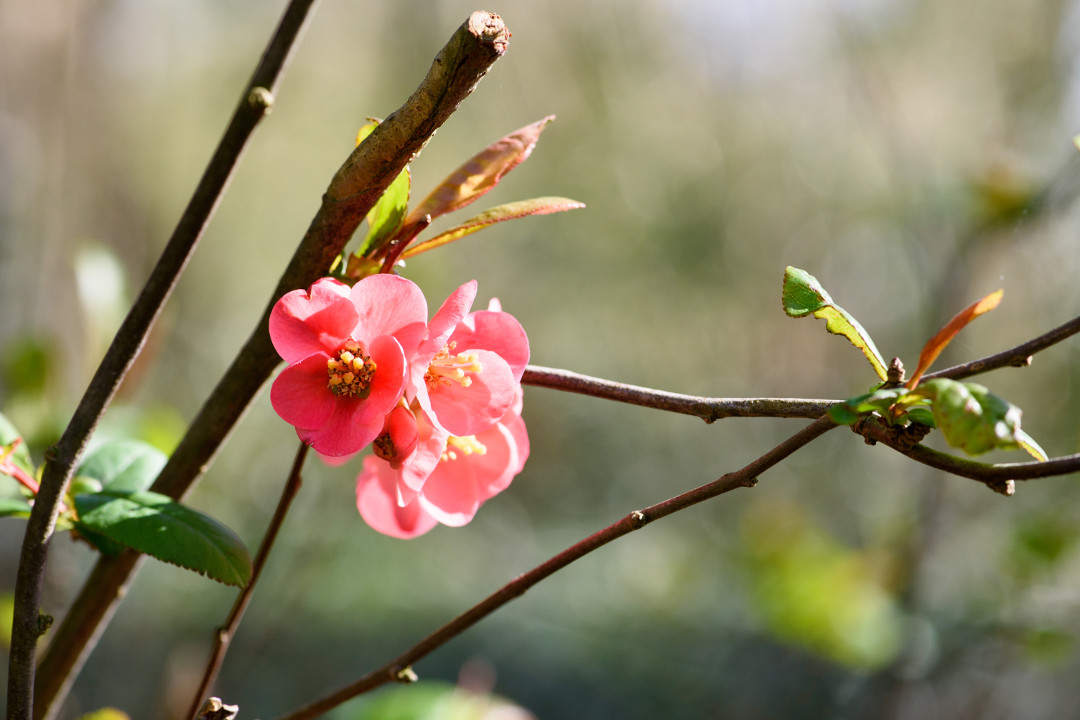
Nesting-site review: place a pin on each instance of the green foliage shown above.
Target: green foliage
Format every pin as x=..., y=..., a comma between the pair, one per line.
x=974, y=419
x=123, y=465
x=163, y=528
x=812, y=591
x=804, y=295
x=434, y=701
x=13, y=448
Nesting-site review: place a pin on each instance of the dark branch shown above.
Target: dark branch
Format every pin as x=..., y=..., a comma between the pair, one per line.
x=998, y=477
x=399, y=669
x=126, y=345
x=1019, y=356
x=706, y=408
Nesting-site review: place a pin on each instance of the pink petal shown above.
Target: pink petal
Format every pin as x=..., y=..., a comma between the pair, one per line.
x=429, y=449
x=390, y=305
x=496, y=468
x=377, y=502
x=400, y=427
x=473, y=409
x=452, y=312
x=451, y=494
x=300, y=396
x=496, y=331
x=318, y=320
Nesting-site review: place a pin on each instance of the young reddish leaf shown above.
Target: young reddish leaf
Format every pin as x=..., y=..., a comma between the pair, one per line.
x=937, y=343
x=479, y=175
x=803, y=295
x=497, y=214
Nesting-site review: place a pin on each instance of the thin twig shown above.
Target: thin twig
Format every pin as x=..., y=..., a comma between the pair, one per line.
x=354, y=190
x=706, y=408
x=129, y=340
x=399, y=669
x=996, y=476
x=1019, y=356
x=223, y=636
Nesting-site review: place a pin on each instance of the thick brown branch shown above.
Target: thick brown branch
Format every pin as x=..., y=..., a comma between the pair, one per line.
x=399, y=669
x=706, y=408
x=372, y=166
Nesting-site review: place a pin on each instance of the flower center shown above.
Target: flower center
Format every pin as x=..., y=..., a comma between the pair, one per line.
x=350, y=371
x=467, y=445
x=446, y=368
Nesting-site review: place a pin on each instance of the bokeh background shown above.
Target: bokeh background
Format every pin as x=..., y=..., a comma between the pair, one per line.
x=912, y=154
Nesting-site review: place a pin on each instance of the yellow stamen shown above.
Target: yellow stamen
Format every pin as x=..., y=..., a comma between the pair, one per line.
x=446, y=369
x=351, y=372
x=467, y=445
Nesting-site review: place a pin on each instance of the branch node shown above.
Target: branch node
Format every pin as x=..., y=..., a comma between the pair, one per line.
x=638, y=519
x=261, y=99
x=750, y=482
x=214, y=709
x=1002, y=487
x=406, y=675
x=44, y=622
x=1022, y=362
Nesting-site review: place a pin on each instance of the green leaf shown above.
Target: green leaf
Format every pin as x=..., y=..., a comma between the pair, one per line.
x=14, y=507
x=385, y=218
x=878, y=401
x=497, y=214
x=972, y=418
x=804, y=295
x=123, y=465
x=163, y=528
x=21, y=456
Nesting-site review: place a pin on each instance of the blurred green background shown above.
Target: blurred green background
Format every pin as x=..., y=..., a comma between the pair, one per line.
x=913, y=155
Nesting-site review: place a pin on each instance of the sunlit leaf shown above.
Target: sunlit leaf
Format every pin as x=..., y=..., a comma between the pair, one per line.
x=804, y=295
x=123, y=465
x=497, y=214
x=937, y=343
x=106, y=714
x=974, y=419
x=480, y=174
x=163, y=528
x=878, y=401
x=14, y=507
x=1028, y=444
x=385, y=218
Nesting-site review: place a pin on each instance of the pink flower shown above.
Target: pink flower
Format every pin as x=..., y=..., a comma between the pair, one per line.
x=346, y=350
x=466, y=472
x=467, y=369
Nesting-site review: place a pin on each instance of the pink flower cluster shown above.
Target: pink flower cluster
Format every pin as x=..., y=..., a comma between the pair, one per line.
x=440, y=400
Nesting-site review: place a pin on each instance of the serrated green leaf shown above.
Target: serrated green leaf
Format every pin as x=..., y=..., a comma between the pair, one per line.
x=160, y=527
x=497, y=214
x=803, y=295
x=971, y=417
x=123, y=465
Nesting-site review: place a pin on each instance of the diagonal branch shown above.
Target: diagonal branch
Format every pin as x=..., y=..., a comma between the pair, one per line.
x=399, y=669
x=706, y=408
x=353, y=191
x=1019, y=356
x=254, y=104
